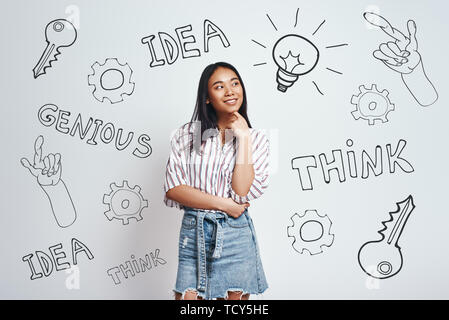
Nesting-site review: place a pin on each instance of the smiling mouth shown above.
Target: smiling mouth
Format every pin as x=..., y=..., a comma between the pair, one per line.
x=231, y=101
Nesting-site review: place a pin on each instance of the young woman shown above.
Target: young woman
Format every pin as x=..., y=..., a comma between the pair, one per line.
x=217, y=164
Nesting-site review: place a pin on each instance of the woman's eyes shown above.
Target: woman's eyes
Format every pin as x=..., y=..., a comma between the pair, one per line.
x=236, y=83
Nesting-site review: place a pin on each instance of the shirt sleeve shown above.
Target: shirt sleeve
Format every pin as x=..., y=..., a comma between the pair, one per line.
x=261, y=153
x=176, y=171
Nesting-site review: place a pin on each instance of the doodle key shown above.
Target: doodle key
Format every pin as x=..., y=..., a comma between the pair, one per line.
x=58, y=33
x=383, y=258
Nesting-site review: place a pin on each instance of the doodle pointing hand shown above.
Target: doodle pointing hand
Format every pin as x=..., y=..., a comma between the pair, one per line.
x=401, y=55
x=46, y=170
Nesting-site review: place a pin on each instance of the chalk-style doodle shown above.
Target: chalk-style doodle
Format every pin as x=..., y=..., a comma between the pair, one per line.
x=132, y=267
x=382, y=258
x=310, y=240
x=95, y=129
x=47, y=171
x=295, y=56
x=171, y=48
x=48, y=263
x=286, y=54
x=111, y=80
x=402, y=56
x=124, y=203
x=58, y=34
x=347, y=165
x=371, y=104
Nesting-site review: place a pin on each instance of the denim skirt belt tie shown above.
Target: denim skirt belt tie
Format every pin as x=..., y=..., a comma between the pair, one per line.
x=201, y=243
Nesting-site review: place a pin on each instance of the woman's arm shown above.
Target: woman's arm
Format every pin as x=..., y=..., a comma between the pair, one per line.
x=194, y=198
x=243, y=175
x=255, y=172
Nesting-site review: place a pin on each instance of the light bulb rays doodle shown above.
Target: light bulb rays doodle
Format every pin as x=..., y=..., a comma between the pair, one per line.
x=290, y=66
x=295, y=56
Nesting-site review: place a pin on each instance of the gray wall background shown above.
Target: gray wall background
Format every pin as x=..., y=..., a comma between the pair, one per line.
x=301, y=122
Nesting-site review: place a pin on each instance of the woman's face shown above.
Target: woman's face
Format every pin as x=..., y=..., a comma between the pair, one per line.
x=225, y=91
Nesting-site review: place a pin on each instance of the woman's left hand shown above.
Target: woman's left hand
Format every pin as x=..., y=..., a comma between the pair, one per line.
x=239, y=125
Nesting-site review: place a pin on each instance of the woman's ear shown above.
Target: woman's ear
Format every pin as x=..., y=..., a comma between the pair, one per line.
x=207, y=101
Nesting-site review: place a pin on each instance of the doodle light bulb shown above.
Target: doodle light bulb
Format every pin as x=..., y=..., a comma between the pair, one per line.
x=295, y=56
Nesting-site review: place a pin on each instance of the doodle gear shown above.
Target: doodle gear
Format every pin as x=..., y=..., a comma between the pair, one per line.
x=371, y=104
x=113, y=93
x=312, y=245
x=124, y=203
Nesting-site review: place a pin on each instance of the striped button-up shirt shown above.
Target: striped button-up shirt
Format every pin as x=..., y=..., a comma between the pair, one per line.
x=211, y=171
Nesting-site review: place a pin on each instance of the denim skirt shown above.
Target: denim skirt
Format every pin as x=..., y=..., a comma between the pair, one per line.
x=218, y=253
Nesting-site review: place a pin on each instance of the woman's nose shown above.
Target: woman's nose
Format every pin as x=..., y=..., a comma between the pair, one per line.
x=228, y=91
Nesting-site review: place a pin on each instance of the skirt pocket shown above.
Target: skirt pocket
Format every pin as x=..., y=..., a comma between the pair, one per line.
x=187, y=237
x=188, y=221
x=240, y=222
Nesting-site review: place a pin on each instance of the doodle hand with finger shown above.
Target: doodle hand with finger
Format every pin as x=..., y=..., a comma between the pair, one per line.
x=402, y=56
x=47, y=171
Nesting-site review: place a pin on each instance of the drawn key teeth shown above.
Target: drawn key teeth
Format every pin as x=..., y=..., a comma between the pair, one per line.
x=58, y=33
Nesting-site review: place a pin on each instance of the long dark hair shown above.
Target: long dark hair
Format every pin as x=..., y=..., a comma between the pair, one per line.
x=205, y=112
